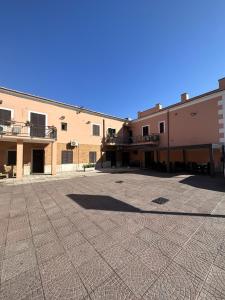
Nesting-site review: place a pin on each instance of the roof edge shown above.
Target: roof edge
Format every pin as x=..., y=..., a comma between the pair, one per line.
x=58, y=103
x=177, y=104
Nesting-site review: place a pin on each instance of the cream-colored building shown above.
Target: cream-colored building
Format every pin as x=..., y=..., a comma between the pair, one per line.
x=39, y=135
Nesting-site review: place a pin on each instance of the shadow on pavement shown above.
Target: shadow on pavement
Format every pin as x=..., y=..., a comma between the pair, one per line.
x=107, y=203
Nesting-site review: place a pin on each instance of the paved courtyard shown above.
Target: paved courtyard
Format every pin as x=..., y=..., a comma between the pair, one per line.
x=113, y=236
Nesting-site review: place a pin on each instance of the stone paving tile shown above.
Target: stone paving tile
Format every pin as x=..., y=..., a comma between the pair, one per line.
x=26, y=285
x=18, y=264
x=135, y=245
x=61, y=222
x=119, y=234
x=94, y=272
x=73, y=240
x=42, y=227
x=220, y=260
x=137, y=277
x=113, y=289
x=18, y=223
x=55, y=267
x=64, y=231
x=81, y=253
x=167, y=247
x=44, y=238
x=174, y=283
x=68, y=286
x=13, y=249
x=214, y=284
x=91, y=231
x=98, y=243
x=117, y=256
x=201, y=250
x=18, y=235
x=154, y=260
x=193, y=263
x=48, y=251
x=107, y=225
x=102, y=242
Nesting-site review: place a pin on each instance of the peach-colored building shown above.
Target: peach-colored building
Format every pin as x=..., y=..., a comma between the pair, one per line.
x=39, y=135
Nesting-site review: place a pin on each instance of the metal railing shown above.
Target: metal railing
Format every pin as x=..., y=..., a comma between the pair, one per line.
x=117, y=140
x=20, y=129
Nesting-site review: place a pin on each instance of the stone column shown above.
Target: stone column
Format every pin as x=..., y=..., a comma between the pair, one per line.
x=19, y=159
x=53, y=158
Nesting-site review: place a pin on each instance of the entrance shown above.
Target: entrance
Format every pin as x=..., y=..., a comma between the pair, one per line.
x=111, y=156
x=149, y=159
x=38, y=161
x=125, y=159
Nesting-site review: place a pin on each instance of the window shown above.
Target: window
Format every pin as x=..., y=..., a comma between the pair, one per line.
x=92, y=157
x=64, y=126
x=38, y=122
x=96, y=130
x=145, y=130
x=67, y=157
x=11, y=160
x=161, y=127
x=5, y=116
x=111, y=132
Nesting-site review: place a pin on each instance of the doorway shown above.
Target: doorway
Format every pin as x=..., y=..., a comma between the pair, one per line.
x=111, y=156
x=38, y=156
x=149, y=159
x=125, y=159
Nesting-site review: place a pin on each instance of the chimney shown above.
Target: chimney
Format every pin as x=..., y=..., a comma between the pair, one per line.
x=184, y=97
x=158, y=106
x=222, y=83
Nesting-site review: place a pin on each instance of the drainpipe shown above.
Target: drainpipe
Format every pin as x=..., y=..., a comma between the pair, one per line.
x=103, y=141
x=168, y=141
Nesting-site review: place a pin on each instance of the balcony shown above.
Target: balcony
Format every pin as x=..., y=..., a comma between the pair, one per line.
x=10, y=130
x=133, y=140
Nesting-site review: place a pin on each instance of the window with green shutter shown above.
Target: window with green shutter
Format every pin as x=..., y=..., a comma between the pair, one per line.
x=96, y=130
x=67, y=157
x=92, y=157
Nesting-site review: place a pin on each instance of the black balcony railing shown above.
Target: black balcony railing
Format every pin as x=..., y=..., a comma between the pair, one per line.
x=117, y=140
x=20, y=129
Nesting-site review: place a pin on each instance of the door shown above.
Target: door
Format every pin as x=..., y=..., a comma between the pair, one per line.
x=149, y=159
x=125, y=159
x=38, y=124
x=38, y=161
x=111, y=156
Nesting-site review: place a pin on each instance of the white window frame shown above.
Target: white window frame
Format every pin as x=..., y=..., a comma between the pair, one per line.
x=164, y=126
x=10, y=109
x=143, y=127
x=92, y=124
x=40, y=113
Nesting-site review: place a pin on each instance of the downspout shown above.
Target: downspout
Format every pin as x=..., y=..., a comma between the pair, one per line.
x=103, y=141
x=168, y=141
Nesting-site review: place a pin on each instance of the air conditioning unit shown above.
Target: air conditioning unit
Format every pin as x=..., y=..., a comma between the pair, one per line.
x=74, y=143
x=3, y=129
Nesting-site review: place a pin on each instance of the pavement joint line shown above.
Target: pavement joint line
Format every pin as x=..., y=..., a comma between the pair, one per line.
x=172, y=260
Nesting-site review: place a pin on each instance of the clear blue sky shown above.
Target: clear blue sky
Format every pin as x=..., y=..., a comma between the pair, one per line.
x=114, y=56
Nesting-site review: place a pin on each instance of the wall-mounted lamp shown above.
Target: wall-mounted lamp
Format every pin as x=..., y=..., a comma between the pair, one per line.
x=88, y=122
x=62, y=118
x=1, y=101
x=193, y=114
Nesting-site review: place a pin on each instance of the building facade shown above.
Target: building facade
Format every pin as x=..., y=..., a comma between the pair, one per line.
x=38, y=135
